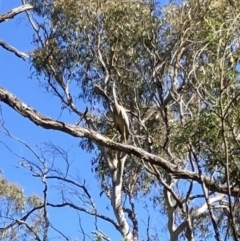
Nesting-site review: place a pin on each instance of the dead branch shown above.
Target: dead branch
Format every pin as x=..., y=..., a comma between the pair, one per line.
x=13, y=50
x=15, y=11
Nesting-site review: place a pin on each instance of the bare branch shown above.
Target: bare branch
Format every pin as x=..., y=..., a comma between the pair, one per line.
x=37, y=238
x=93, y=213
x=76, y=131
x=22, y=220
x=12, y=13
x=14, y=50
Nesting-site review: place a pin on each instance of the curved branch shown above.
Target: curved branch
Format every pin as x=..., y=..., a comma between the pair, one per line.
x=93, y=213
x=15, y=11
x=14, y=50
x=22, y=220
x=76, y=131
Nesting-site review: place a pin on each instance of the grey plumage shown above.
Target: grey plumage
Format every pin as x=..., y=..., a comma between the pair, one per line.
x=120, y=117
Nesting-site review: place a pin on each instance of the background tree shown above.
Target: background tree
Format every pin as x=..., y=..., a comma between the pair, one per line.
x=175, y=69
x=21, y=217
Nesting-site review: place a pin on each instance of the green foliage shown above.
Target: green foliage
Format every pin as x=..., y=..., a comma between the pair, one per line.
x=12, y=193
x=14, y=206
x=91, y=43
x=177, y=75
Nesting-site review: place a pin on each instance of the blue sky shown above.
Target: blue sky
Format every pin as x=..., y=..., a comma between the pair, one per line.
x=16, y=77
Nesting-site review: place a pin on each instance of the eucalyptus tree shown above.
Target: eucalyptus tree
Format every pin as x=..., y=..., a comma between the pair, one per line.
x=176, y=73
x=16, y=208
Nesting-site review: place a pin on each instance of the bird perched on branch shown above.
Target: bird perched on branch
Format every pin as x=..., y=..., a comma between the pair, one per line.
x=120, y=117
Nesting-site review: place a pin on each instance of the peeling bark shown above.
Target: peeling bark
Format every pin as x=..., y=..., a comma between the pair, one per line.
x=76, y=131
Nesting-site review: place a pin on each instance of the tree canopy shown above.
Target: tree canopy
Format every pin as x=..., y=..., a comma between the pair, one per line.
x=175, y=71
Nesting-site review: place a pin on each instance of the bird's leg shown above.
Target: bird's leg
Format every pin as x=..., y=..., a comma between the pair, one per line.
x=124, y=135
